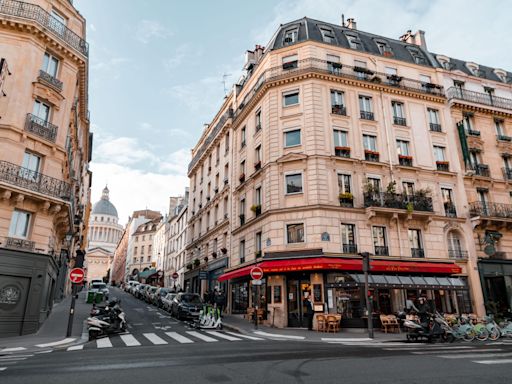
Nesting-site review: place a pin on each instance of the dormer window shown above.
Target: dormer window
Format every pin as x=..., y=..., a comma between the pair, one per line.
x=354, y=42
x=417, y=56
x=501, y=74
x=445, y=62
x=290, y=36
x=473, y=68
x=328, y=35
x=384, y=48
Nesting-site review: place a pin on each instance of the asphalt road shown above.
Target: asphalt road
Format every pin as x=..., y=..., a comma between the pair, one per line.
x=167, y=359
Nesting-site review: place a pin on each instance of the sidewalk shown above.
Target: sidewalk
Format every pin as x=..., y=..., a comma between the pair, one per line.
x=53, y=331
x=244, y=326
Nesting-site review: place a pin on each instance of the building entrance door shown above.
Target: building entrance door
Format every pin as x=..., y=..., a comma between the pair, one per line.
x=297, y=287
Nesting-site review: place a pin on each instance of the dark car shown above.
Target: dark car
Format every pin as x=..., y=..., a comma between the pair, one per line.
x=186, y=306
x=159, y=295
x=139, y=291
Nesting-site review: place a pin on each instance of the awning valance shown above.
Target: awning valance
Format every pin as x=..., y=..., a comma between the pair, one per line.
x=146, y=274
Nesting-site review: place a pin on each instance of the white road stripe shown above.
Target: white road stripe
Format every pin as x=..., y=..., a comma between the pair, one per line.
x=129, y=340
x=345, y=339
x=155, y=339
x=75, y=348
x=180, y=339
x=13, y=357
x=202, y=337
x=47, y=351
x=423, y=348
x=475, y=356
x=223, y=336
x=103, y=343
x=244, y=336
x=504, y=361
x=14, y=349
x=275, y=335
x=3, y=368
x=457, y=351
x=60, y=342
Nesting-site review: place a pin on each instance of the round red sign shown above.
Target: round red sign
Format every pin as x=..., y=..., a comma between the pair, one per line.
x=175, y=275
x=257, y=273
x=76, y=275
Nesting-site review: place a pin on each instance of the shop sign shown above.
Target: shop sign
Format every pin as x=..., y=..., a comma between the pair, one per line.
x=203, y=275
x=10, y=295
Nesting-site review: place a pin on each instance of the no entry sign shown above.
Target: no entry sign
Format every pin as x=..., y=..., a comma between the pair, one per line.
x=76, y=275
x=175, y=275
x=257, y=273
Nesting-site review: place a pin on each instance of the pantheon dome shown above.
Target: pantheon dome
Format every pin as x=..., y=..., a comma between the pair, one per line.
x=104, y=229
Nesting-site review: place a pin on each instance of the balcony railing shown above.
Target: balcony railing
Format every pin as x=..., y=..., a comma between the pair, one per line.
x=443, y=166
x=34, y=181
x=503, y=138
x=405, y=161
x=450, y=210
x=40, y=16
x=507, y=173
x=366, y=115
x=399, y=120
x=436, y=127
x=22, y=244
x=381, y=250
x=418, y=252
x=40, y=127
x=481, y=170
x=339, y=110
x=342, y=151
x=487, y=209
x=49, y=79
x=457, y=254
x=371, y=156
x=349, y=248
x=473, y=132
x=479, y=98
x=417, y=201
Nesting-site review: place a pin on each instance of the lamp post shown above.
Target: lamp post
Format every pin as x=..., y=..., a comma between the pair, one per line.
x=368, y=299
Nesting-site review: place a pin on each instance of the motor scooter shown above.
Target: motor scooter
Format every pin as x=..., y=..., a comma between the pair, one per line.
x=111, y=323
x=430, y=330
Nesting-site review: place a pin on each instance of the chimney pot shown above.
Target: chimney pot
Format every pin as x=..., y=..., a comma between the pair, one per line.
x=351, y=23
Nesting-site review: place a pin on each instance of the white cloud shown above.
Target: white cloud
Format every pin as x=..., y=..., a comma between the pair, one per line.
x=92, y=27
x=148, y=30
x=123, y=151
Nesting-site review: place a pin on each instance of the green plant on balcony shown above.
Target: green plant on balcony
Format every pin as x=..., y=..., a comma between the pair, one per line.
x=410, y=207
x=189, y=266
x=346, y=199
x=369, y=188
x=391, y=188
x=196, y=262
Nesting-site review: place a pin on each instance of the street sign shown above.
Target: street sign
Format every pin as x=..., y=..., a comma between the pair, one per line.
x=257, y=273
x=257, y=282
x=76, y=275
x=175, y=275
x=203, y=275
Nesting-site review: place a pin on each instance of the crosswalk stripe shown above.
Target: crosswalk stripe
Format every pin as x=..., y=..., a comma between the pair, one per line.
x=129, y=340
x=202, y=337
x=475, y=356
x=103, y=343
x=3, y=368
x=155, y=339
x=223, y=336
x=424, y=348
x=75, y=347
x=179, y=338
x=14, y=349
x=504, y=361
x=244, y=336
x=458, y=351
x=13, y=357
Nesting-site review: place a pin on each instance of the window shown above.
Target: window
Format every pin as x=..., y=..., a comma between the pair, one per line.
x=398, y=113
x=292, y=138
x=242, y=137
x=439, y=153
x=391, y=71
x=242, y=167
x=290, y=62
x=455, y=247
x=258, y=121
x=365, y=106
x=370, y=143
x=293, y=183
x=344, y=183
x=348, y=239
x=257, y=243
x=449, y=206
x=30, y=167
x=50, y=64
x=241, y=251
x=498, y=124
x=226, y=143
x=290, y=36
x=384, y=49
x=408, y=188
x=294, y=233
x=215, y=245
x=216, y=213
x=20, y=222
x=217, y=154
x=57, y=22
x=142, y=250
x=379, y=241
x=353, y=42
x=415, y=243
x=338, y=103
x=340, y=141
x=360, y=69
x=41, y=110
x=416, y=56
x=257, y=154
x=257, y=196
x=334, y=64
x=466, y=121
x=402, y=147
x=433, y=118
x=327, y=35
x=149, y=248
x=291, y=98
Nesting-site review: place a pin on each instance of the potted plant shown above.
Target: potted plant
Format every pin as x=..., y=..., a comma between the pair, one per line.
x=257, y=165
x=224, y=250
x=410, y=207
x=214, y=255
x=241, y=177
x=256, y=208
x=196, y=263
x=189, y=266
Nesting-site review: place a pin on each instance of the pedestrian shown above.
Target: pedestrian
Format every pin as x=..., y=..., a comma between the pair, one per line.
x=310, y=311
x=219, y=301
x=206, y=297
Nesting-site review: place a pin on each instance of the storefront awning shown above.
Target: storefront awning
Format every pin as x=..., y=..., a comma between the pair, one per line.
x=426, y=282
x=146, y=274
x=341, y=264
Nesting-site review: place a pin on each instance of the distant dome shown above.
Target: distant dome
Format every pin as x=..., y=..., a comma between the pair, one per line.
x=104, y=206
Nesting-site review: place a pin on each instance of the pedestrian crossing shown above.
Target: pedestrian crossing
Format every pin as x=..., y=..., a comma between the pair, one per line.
x=164, y=338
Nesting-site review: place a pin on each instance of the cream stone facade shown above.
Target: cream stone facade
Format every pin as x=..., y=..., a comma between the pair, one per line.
x=45, y=148
x=338, y=142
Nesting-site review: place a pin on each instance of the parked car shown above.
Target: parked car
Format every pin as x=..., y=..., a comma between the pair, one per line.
x=139, y=291
x=128, y=286
x=95, y=281
x=186, y=306
x=167, y=301
x=133, y=287
x=100, y=287
x=149, y=293
x=159, y=295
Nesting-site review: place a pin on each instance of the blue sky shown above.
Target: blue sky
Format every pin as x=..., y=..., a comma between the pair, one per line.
x=156, y=71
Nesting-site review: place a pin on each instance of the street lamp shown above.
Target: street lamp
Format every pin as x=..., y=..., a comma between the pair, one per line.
x=368, y=299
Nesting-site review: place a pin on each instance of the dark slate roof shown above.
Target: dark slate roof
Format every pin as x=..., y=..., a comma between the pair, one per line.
x=104, y=207
x=309, y=29
x=484, y=71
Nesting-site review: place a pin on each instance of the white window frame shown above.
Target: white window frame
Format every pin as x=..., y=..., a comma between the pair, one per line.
x=293, y=173
x=385, y=236
x=48, y=60
x=339, y=135
x=439, y=150
x=289, y=130
x=36, y=110
x=344, y=236
x=14, y=225
x=433, y=116
x=402, y=147
x=365, y=103
x=289, y=93
x=398, y=109
x=337, y=98
x=343, y=188
x=372, y=138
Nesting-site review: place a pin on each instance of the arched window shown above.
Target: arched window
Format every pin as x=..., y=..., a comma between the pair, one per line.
x=456, y=246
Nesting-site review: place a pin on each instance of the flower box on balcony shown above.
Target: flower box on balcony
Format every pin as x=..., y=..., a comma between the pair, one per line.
x=405, y=160
x=342, y=151
x=443, y=165
x=256, y=208
x=242, y=177
x=346, y=199
x=339, y=110
x=214, y=255
x=363, y=70
x=257, y=165
x=406, y=157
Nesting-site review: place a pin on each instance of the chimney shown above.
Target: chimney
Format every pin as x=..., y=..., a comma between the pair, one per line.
x=351, y=23
x=419, y=39
x=258, y=52
x=407, y=37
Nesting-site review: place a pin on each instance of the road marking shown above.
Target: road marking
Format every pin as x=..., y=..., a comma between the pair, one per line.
x=261, y=333
x=423, y=348
x=244, y=336
x=3, y=368
x=180, y=339
x=48, y=351
x=223, y=336
x=346, y=339
x=14, y=349
x=103, y=343
x=129, y=340
x=202, y=337
x=155, y=339
x=475, y=355
x=60, y=342
x=463, y=351
x=504, y=361
x=14, y=357
x=75, y=348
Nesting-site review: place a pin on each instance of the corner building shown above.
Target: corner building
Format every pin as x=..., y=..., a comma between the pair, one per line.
x=45, y=149
x=340, y=144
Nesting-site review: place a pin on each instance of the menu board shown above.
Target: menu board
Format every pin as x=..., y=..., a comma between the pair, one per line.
x=317, y=293
x=277, y=293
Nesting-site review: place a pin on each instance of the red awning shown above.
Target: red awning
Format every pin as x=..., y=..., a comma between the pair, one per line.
x=341, y=264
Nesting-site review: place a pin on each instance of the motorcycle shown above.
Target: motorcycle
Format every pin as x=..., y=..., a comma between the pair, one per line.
x=435, y=328
x=101, y=311
x=114, y=321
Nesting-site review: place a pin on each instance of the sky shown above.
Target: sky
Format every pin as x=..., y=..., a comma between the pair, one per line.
x=156, y=71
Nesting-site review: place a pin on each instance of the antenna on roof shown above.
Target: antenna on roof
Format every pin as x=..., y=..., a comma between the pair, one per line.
x=342, y=19
x=224, y=77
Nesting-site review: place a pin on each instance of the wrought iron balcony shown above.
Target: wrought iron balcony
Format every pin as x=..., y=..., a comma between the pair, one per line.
x=443, y=166
x=399, y=120
x=481, y=170
x=478, y=98
x=366, y=115
x=339, y=110
x=40, y=127
x=418, y=252
x=34, y=181
x=349, y=248
x=381, y=250
x=488, y=209
x=507, y=173
x=22, y=244
x=405, y=161
x=418, y=201
x=450, y=210
x=50, y=80
x=342, y=151
x=435, y=127
x=40, y=16
x=503, y=138
x=473, y=132
x=457, y=254
x=371, y=156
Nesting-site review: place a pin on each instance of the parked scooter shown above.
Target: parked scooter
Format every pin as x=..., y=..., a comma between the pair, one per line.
x=113, y=321
x=434, y=328
x=102, y=310
x=209, y=318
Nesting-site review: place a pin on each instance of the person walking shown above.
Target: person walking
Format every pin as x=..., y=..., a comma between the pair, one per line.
x=310, y=312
